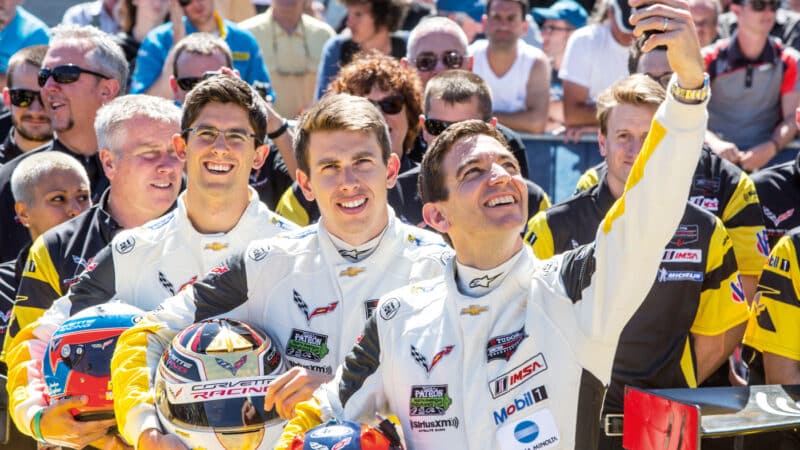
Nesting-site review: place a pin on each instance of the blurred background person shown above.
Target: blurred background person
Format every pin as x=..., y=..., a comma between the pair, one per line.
x=705, y=14
x=466, y=13
x=18, y=29
x=136, y=18
x=786, y=26
x=97, y=13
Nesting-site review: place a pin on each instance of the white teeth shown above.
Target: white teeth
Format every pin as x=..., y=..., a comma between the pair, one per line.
x=354, y=203
x=504, y=200
x=161, y=185
x=218, y=167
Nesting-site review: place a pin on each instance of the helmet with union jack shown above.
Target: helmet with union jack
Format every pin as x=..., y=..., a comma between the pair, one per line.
x=77, y=360
x=346, y=435
x=211, y=381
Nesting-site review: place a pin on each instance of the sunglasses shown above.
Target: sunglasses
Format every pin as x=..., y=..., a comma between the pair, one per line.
x=392, y=104
x=23, y=97
x=761, y=5
x=427, y=61
x=184, y=2
x=66, y=74
x=188, y=83
x=436, y=127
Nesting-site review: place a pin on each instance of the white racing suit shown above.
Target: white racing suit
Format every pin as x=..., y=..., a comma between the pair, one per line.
x=526, y=365
x=296, y=286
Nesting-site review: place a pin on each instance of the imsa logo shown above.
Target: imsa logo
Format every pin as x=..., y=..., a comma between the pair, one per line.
x=518, y=375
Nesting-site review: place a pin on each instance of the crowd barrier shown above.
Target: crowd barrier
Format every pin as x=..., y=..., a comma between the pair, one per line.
x=556, y=166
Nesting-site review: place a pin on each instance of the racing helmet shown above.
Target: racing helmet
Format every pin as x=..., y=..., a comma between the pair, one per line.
x=77, y=360
x=348, y=435
x=211, y=381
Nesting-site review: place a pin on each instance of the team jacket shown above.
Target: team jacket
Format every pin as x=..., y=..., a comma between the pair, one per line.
x=142, y=266
x=297, y=287
x=55, y=261
x=697, y=287
x=525, y=365
x=773, y=327
x=724, y=190
x=778, y=190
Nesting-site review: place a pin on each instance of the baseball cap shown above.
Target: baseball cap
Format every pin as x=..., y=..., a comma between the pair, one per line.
x=567, y=10
x=622, y=12
x=473, y=8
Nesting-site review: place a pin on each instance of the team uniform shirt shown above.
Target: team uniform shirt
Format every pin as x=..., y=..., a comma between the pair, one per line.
x=724, y=190
x=697, y=287
x=9, y=148
x=746, y=105
x=142, y=266
x=523, y=366
x=773, y=327
x=509, y=92
x=778, y=190
x=311, y=296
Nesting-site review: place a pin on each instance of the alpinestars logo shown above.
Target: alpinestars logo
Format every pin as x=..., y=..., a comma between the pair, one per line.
x=484, y=281
x=232, y=368
x=298, y=300
x=420, y=359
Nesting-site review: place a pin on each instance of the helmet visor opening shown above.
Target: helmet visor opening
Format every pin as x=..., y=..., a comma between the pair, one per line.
x=238, y=413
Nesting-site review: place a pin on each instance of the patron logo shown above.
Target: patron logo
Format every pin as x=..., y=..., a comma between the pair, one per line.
x=518, y=375
x=528, y=399
x=691, y=255
x=429, y=400
x=428, y=426
x=502, y=347
x=307, y=345
x=665, y=275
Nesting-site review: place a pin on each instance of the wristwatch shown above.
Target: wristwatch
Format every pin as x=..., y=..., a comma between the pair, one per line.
x=691, y=96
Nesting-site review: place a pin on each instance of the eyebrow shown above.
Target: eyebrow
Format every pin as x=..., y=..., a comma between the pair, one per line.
x=503, y=157
x=358, y=155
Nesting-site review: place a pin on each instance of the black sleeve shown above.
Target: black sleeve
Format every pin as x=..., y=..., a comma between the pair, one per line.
x=362, y=361
x=223, y=288
x=97, y=284
x=577, y=270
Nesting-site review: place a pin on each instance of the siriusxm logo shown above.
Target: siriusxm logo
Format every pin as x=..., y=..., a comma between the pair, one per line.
x=528, y=399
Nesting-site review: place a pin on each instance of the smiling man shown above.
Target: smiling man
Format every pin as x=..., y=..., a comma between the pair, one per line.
x=312, y=289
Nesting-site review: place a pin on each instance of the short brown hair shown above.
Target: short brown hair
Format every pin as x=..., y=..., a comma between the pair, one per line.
x=385, y=13
x=373, y=69
x=225, y=89
x=459, y=86
x=201, y=44
x=431, y=183
x=33, y=55
x=340, y=112
x=638, y=90
x=523, y=4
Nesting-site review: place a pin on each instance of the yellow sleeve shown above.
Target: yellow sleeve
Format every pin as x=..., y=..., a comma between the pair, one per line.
x=539, y=236
x=291, y=208
x=25, y=384
x=545, y=203
x=773, y=327
x=307, y=415
x=742, y=218
x=587, y=180
x=722, y=304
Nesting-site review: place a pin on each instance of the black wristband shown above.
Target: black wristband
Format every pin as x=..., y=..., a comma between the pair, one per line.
x=277, y=133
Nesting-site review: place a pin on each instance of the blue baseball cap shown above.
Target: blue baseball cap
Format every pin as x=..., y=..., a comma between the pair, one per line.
x=473, y=8
x=567, y=10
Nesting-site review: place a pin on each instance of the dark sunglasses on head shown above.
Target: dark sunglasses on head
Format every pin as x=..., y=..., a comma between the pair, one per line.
x=68, y=73
x=392, y=104
x=436, y=127
x=427, y=61
x=23, y=97
x=761, y=5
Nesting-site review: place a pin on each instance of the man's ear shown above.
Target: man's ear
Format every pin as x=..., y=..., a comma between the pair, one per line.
x=404, y=62
x=22, y=213
x=173, y=85
x=305, y=184
x=262, y=151
x=434, y=216
x=601, y=142
x=6, y=97
x=108, y=89
x=392, y=170
x=180, y=146
x=109, y=162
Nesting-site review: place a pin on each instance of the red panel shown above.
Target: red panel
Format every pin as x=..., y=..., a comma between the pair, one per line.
x=653, y=422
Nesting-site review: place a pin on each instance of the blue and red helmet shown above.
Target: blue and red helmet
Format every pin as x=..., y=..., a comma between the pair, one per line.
x=77, y=360
x=347, y=435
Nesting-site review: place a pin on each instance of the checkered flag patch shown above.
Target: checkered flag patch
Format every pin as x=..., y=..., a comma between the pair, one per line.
x=298, y=300
x=420, y=358
x=166, y=283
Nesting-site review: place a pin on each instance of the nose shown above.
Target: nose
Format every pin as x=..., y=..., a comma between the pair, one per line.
x=499, y=174
x=74, y=207
x=349, y=179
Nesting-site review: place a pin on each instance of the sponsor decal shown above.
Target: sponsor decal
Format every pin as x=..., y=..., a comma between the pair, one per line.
x=691, y=255
x=532, y=238
x=537, y=431
x=474, y=310
x=708, y=185
x=31, y=266
x=126, y=245
x=232, y=368
x=502, y=347
x=327, y=370
x=484, y=281
x=389, y=308
x=178, y=364
x=762, y=243
x=219, y=270
x=216, y=246
x=686, y=234
x=776, y=219
x=679, y=275
x=429, y=426
x=425, y=289
x=188, y=283
x=351, y=271
x=258, y=252
x=528, y=399
x=737, y=293
x=517, y=376
x=165, y=283
x=369, y=306
x=70, y=281
x=574, y=243
x=420, y=359
x=750, y=196
x=280, y=223
x=217, y=389
x=80, y=262
x=158, y=223
x=307, y=345
x=353, y=253
x=298, y=300
x=415, y=240
x=707, y=203
x=429, y=400
x=338, y=446
x=776, y=262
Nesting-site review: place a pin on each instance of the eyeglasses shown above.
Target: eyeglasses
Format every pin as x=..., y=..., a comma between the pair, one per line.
x=392, y=104
x=436, y=127
x=662, y=79
x=553, y=29
x=234, y=138
x=188, y=83
x=66, y=74
x=23, y=97
x=761, y=5
x=427, y=61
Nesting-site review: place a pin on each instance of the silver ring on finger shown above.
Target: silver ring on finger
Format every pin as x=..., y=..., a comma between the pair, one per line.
x=666, y=23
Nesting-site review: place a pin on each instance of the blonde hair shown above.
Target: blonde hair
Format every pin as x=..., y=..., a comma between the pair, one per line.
x=638, y=90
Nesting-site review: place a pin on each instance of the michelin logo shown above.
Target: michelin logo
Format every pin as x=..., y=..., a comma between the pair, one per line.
x=665, y=275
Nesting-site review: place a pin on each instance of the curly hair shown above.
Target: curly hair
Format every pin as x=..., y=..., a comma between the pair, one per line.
x=374, y=69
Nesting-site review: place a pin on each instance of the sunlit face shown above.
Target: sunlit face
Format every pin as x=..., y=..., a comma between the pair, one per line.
x=555, y=34
x=626, y=131
x=398, y=123
x=8, y=9
x=361, y=22
x=58, y=197
x=450, y=112
x=705, y=21
x=199, y=11
x=758, y=23
x=437, y=44
x=193, y=65
x=349, y=180
x=31, y=122
x=504, y=23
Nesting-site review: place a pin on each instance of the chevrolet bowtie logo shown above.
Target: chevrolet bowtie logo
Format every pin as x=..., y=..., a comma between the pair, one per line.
x=474, y=310
x=351, y=272
x=216, y=246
